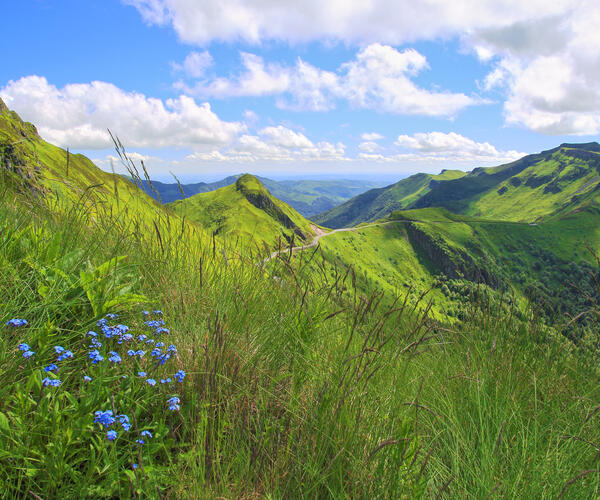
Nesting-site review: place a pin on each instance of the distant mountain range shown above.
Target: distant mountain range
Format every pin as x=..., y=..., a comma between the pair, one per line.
x=309, y=197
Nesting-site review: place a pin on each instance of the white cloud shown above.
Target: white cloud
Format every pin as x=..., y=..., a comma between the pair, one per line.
x=386, y=21
x=77, y=116
x=379, y=78
x=452, y=146
x=195, y=64
x=549, y=70
x=369, y=146
x=274, y=144
x=372, y=136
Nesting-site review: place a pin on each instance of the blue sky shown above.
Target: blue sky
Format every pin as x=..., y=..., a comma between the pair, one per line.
x=304, y=89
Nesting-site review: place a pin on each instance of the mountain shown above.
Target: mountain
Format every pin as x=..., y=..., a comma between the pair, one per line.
x=530, y=189
x=309, y=197
x=246, y=211
x=377, y=203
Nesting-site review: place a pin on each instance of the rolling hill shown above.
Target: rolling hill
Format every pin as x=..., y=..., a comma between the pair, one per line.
x=535, y=187
x=377, y=203
x=246, y=212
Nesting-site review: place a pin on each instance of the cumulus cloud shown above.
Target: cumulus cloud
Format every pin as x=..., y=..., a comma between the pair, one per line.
x=452, y=146
x=378, y=78
x=78, y=115
x=387, y=21
x=274, y=144
x=549, y=71
x=195, y=64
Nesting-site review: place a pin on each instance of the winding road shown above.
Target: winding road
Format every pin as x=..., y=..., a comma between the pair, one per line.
x=319, y=233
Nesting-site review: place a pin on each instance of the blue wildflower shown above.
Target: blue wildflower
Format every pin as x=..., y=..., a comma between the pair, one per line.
x=156, y=352
x=51, y=382
x=151, y=382
x=112, y=316
x=140, y=441
x=51, y=368
x=173, y=403
x=124, y=421
x=180, y=375
x=150, y=341
x=127, y=337
x=172, y=349
x=157, y=312
x=59, y=349
x=142, y=337
x=87, y=378
x=91, y=334
x=24, y=347
x=65, y=355
x=131, y=352
x=134, y=466
x=146, y=434
x=160, y=330
x=160, y=344
x=101, y=322
x=104, y=418
x=95, y=343
x=111, y=435
x=122, y=328
x=145, y=313
x=141, y=374
x=28, y=354
x=140, y=353
x=95, y=356
x=114, y=357
x=16, y=322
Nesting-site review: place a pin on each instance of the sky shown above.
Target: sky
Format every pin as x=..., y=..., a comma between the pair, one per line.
x=304, y=89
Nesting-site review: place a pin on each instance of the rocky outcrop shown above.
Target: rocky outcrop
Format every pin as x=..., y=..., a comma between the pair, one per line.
x=452, y=262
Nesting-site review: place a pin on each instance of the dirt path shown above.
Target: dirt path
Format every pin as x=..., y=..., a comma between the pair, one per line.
x=320, y=233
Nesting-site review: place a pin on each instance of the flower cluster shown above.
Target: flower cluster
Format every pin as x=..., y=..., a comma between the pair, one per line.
x=16, y=322
x=27, y=352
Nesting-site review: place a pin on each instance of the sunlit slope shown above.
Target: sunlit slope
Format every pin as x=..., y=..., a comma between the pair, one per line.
x=246, y=212
x=533, y=188
x=453, y=256
x=377, y=203
x=66, y=178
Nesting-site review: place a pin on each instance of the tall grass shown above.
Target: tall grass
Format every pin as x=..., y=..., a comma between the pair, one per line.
x=297, y=386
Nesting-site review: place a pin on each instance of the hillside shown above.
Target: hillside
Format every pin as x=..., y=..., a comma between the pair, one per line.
x=308, y=197
x=378, y=203
x=245, y=212
x=533, y=188
x=65, y=179
x=138, y=363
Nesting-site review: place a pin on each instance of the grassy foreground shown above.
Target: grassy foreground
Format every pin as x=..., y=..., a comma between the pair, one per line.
x=293, y=388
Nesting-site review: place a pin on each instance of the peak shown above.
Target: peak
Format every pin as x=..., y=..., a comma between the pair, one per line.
x=587, y=146
x=3, y=107
x=249, y=183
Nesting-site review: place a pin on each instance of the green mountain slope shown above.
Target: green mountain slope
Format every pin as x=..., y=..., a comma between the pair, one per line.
x=452, y=257
x=65, y=179
x=247, y=212
x=378, y=203
x=530, y=189
x=308, y=197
